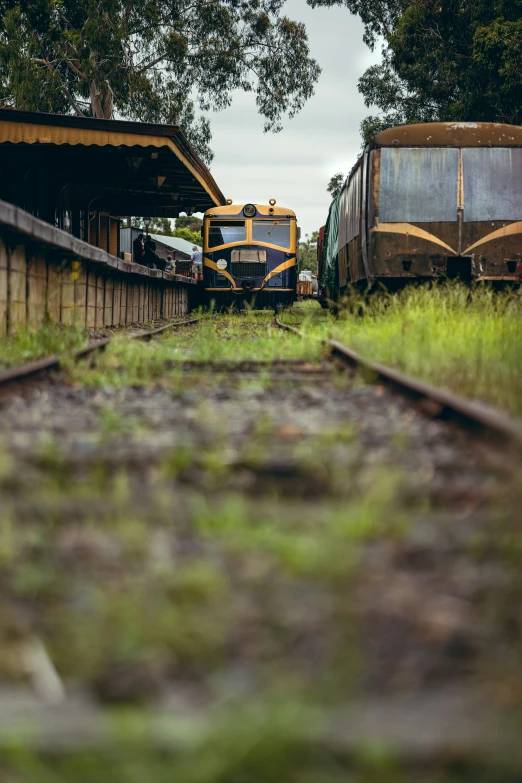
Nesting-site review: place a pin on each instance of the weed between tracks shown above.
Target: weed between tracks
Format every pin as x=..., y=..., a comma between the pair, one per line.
x=224, y=338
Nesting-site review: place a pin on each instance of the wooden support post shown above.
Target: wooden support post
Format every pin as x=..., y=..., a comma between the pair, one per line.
x=80, y=296
x=54, y=291
x=91, y=301
x=157, y=302
x=129, y=294
x=36, y=290
x=100, y=300
x=108, y=308
x=3, y=288
x=123, y=301
x=133, y=315
x=116, y=301
x=17, y=286
x=143, y=303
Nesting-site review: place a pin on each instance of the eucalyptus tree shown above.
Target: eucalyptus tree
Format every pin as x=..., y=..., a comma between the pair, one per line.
x=336, y=183
x=154, y=60
x=457, y=60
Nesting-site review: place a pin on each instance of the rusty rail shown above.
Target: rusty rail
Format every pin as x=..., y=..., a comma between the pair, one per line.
x=31, y=369
x=444, y=404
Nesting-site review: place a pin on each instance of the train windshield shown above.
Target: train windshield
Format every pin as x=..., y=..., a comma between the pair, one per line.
x=224, y=232
x=273, y=232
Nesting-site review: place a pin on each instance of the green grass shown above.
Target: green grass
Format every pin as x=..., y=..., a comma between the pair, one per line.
x=224, y=338
x=27, y=345
x=469, y=340
x=246, y=336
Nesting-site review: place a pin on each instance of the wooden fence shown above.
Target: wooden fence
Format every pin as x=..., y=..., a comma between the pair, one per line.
x=46, y=273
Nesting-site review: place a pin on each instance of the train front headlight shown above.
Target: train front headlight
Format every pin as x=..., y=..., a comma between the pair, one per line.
x=249, y=210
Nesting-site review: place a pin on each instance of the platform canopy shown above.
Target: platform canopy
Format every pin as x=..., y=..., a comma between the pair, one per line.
x=125, y=168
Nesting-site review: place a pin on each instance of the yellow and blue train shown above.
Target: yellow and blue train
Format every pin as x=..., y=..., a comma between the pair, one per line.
x=250, y=255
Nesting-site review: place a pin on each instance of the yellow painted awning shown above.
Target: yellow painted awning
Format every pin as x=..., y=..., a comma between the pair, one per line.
x=61, y=131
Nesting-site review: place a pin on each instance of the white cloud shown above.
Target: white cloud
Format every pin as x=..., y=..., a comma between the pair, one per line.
x=295, y=165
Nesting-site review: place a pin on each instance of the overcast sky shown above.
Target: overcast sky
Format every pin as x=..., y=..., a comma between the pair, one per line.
x=295, y=165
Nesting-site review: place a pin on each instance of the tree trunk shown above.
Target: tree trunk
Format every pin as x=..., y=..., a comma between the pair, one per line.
x=101, y=96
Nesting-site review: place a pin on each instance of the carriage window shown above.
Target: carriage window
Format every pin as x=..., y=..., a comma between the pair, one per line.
x=273, y=232
x=418, y=185
x=223, y=232
x=492, y=184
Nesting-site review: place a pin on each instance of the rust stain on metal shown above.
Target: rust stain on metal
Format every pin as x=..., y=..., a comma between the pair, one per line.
x=450, y=134
x=460, y=189
x=376, y=179
x=460, y=201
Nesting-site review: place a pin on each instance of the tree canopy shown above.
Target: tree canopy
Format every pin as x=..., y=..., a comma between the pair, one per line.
x=308, y=252
x=163, y=227
x=192, y=222
x=156, y=226
x=451, y=60
x=191, y=236
x=154, y=60
x=336, y=183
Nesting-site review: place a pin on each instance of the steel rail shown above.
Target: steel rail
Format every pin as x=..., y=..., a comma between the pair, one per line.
x=160, y=329
x=446, y=404
x=25, y=371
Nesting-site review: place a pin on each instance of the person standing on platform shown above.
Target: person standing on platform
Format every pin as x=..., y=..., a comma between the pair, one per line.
x=197, y=262
x=138, y=250
x=150, y=252
x=152, y=260
x=197, y=256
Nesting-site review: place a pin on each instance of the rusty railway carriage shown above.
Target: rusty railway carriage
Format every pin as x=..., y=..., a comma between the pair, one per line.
x=427, y=201
x=250, y=255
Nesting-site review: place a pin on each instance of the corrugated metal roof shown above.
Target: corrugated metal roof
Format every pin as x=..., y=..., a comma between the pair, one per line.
x=176, y=243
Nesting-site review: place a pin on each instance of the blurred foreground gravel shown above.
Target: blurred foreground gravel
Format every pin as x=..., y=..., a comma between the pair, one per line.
x=287, y=536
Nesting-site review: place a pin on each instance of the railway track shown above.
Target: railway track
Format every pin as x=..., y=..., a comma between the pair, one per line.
x=268, y=478
x=39, y=367
x=435, y=401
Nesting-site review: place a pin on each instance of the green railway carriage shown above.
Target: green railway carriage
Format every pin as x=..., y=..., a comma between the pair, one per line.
x=428, y=201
